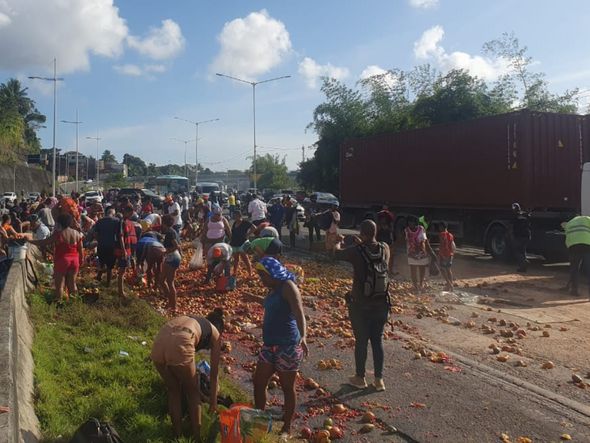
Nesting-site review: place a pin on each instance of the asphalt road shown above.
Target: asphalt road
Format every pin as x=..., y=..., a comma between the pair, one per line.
x=466, y=400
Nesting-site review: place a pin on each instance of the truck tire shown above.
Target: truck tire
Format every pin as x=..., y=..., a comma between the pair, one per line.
x=499, y=243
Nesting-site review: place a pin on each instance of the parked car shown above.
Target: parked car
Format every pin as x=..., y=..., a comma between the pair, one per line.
x=33, y=196
x=8, y=197
x=93, y=197
x=323, y=199
x=300, y=209
x=156, y=199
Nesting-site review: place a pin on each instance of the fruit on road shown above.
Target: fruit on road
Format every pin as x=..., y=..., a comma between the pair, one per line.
x=548, y=365
x=306, y=432
x=576, y=378
x=503, y=358
x=368, y=417
x=328, y=422
x=338, y=408
x=366, y=428
x=336, y=433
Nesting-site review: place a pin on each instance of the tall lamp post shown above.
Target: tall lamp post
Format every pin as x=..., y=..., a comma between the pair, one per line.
x=253, y=84
x=77, y=123
x=196, y=142
x=53, y=79
x=186, y=142
x=97, y=138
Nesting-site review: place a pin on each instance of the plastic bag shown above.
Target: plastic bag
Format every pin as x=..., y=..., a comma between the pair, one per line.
x=254, y=424
x=197, y=261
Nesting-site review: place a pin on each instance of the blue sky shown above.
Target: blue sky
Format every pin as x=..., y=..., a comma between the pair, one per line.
x=131, y=66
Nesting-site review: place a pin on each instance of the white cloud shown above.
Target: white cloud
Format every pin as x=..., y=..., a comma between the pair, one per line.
x=428, y=48
x=136, y=71
x=69, y=30
x=129, y=69
x=423, y=4
x=312, y=71
x=155, y=68
x=251, y=46
x=374, y=70
x=160, y=43
x=5, y=20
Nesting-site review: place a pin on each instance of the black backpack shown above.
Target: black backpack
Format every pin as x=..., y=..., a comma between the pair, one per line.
x=94, y=431
x=376, y=283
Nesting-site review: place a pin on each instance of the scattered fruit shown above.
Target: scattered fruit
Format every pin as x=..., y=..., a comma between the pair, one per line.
x=521, y=364
x=565, y=437
x=503, y=358
x=367, y=417
x=328, y=422
x=336, y=433
x=366, y=428
x=545, y=333
x=306, y=432
x=548, y=365
x=577, y=379
x=338, y=408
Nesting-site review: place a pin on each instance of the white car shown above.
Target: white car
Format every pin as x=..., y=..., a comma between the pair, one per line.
x=323, y=199
x=8, y=197
x=93, y=197
x=279, y=197
x=33, y=196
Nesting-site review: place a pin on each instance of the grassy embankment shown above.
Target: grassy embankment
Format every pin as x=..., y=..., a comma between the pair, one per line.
x=79, y=372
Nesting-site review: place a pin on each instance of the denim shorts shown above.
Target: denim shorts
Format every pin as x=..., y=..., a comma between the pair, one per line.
x=282, y=357
x=172, y=259
x=446, y=262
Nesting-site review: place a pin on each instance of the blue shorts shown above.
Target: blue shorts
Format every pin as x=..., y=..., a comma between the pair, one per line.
x=282, y=357
x=446, y=262
x=172, y=259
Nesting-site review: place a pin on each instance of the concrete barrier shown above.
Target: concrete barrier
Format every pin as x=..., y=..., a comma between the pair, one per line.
x=20, y=424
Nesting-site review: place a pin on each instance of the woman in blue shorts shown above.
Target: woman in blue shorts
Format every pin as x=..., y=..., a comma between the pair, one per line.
x=171, y=260
x=283, y=335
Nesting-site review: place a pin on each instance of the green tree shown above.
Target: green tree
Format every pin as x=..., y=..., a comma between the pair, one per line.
x=344, y=114
x=529, y=88
x=115, y=181
x=135, y=165
x=19, y=121
x=108, y=157
x=454, y=97
x=271, y=172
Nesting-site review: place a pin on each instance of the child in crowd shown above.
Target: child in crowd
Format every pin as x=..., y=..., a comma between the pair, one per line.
x=446, y=251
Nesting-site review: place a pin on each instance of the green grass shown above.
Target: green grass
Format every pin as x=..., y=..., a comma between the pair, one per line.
x=80, y=374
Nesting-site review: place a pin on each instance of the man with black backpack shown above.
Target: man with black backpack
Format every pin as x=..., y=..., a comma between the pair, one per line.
x=368, y=302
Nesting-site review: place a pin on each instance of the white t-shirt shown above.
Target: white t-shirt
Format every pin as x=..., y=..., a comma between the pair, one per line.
x=185, y=203
x=42, y=232
x=335, y=219
x=172, y=209
x=258, y=209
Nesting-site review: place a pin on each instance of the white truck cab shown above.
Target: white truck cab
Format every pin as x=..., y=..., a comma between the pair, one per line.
x=585, y=203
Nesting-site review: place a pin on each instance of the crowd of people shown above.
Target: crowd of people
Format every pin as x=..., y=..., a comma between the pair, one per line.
x=123, y=234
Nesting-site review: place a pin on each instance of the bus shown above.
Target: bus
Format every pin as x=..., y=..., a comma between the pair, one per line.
x=206, y=188
x=170, y=184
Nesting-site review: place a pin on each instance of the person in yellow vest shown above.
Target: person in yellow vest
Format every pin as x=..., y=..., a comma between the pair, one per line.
x=577, y=240
x=231, y=202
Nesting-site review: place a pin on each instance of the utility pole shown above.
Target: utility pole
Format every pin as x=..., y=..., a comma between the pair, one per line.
x=77, y=123
x=97, y=138
x=53, y=79
x=302, y=153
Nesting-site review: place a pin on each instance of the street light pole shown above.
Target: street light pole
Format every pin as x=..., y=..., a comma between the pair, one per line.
x=97, y=138
x=76, y=122
x=53, y=79
x=186, y=142
x=196, y=142
x=253, y=84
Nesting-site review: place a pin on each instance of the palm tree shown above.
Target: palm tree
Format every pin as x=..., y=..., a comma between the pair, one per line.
x=13, y=97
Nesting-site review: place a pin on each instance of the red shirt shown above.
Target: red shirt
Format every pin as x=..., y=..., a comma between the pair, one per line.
x=445, y=249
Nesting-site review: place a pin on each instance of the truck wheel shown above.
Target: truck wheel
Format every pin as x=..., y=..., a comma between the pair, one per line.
x=500, y=244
